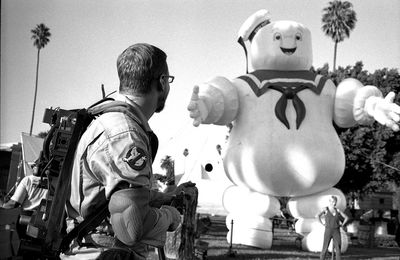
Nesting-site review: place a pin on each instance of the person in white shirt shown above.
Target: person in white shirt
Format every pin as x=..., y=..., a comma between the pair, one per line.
x=28, y=194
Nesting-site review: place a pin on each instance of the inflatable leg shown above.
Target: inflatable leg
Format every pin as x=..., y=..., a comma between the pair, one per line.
x=248, y=220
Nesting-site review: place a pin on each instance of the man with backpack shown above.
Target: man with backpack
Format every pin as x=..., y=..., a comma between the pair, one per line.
x=113, y=160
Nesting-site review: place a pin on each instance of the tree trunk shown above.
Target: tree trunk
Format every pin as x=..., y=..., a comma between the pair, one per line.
x=180, y=244
x=36, y=85
x=186, y=249
x=334, y=56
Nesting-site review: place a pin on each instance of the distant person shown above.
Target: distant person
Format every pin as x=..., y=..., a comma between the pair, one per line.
x=393, y=223
x=28, y=194
x=332, y=225
x=114, y=157
x=396, y=224
x=284, y=213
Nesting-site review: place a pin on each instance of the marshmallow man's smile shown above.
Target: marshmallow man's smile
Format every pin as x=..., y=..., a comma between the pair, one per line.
x=288, y=51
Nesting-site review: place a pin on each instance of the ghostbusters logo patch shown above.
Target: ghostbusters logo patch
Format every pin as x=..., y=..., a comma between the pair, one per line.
x=136, y=158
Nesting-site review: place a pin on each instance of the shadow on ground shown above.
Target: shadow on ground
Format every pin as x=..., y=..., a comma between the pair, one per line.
x=284, y=246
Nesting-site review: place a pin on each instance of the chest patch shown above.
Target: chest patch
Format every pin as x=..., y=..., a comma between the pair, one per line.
x=136, y=158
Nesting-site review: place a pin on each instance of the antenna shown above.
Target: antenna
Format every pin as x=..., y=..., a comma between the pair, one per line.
x=103, y=92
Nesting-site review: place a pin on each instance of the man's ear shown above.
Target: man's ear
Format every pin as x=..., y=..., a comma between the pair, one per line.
x=160, y=85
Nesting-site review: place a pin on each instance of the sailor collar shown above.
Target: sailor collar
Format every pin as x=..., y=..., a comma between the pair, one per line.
x=289, y=83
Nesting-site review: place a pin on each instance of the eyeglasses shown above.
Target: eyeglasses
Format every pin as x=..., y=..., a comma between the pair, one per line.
x=169, y=78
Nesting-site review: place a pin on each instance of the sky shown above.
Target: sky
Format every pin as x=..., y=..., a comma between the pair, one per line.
x=199, y=37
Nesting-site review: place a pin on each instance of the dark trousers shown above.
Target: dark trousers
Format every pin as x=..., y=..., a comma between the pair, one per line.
x=331, y=233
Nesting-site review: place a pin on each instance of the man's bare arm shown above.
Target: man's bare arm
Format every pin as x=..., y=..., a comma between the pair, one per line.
x=319, y=215
x=11, y=204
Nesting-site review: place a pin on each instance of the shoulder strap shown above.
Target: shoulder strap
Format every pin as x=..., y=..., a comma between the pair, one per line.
x=113, y=106
x=87, y=225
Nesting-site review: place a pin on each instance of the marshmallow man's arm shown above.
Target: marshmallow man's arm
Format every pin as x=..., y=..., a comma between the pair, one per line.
x=215, y=102
x=384, y=110
x=355, y=103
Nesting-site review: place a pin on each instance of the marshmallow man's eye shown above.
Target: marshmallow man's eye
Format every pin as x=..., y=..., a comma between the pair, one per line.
x=298, y=37
x=277, y=36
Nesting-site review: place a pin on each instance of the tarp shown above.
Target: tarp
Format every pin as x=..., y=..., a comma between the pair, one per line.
x=31, y=147
x=207, y=171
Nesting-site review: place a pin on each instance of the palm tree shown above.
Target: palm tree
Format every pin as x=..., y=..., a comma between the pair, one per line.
x=40, y=37
x=168, y=164
x=338, y=19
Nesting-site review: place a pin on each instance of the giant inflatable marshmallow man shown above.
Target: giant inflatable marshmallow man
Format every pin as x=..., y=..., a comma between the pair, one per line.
x=283, y=142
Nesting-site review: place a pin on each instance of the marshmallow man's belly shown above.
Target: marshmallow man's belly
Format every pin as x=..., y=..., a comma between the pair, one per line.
x=265, y=156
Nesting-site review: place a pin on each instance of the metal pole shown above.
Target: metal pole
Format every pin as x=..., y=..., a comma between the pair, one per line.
x=231, y=253
x=230, y=246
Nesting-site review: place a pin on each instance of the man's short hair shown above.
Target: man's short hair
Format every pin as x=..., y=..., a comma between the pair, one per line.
x=138, y=65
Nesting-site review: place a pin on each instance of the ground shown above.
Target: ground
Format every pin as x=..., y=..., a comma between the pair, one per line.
x=284, y=246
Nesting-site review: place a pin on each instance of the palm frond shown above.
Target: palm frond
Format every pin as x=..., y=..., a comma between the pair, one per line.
x=338, y=20
x=40, y=36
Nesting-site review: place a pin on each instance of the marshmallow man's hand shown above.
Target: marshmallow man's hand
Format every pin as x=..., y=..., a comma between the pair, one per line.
x=197, y=108
x=386, y=112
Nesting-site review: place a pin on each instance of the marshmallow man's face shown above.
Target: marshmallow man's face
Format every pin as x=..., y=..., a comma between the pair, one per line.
x=281, y=45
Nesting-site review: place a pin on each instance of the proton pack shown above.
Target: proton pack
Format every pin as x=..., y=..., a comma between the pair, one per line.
x=45, y=236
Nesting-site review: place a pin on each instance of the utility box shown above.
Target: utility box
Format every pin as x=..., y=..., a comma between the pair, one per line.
x=5, y=156
x=9, y=165
x=377, y=201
